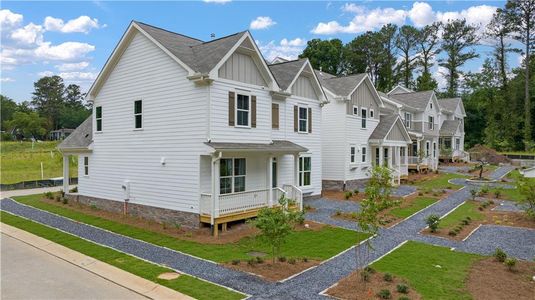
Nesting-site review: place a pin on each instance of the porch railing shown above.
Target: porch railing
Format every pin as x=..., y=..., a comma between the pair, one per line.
x=294, y=193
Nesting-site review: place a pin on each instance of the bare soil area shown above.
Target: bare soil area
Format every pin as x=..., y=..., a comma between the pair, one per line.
x=339, y=195
x=272, y=271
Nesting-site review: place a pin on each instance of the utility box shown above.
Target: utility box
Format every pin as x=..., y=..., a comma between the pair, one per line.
x=126, y=189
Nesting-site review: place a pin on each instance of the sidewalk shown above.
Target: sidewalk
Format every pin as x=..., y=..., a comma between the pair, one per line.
x=15, y=193
x=132, y=282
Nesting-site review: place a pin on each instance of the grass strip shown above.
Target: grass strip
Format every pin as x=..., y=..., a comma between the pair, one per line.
x=417, y=205
x=467, y=209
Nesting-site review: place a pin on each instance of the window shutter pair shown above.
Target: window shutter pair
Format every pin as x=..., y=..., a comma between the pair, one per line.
x=232, y=109
x=296, y=119
x=274, y=116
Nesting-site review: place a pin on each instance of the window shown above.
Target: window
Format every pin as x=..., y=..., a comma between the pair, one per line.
x=138, y=118
x=232, y=175
x=377, y=156
x=355, y=110
x=98, y=117
x=303, y=119
x=431, y=124
x=457, y=143
x=363, y=115
x=371, y=113
x=434, y=150
x=431, y=105
x=305, y=169
x=86, y=165
x=363, y=154
x=352, y=154
x=408, y=120
x=243, y=110
x=427, y=149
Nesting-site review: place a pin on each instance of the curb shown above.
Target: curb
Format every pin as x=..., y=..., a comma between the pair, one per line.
x=122, y=278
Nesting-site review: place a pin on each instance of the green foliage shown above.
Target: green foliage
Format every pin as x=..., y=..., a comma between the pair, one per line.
x=432, y=221
x=384, y=294
x=526, y=189
x=473, y=193
x=365, y=275
x=402, y=288
x=235, y=262
x=348, y=195
x=28, y=124
x=388, y=277
x=292, y=261
x=500, y=255
x=510, y=263
x=325, y=55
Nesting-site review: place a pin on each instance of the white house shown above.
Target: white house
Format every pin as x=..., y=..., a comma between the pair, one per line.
x=451, y=139
x=186, y=131
x=356, y=134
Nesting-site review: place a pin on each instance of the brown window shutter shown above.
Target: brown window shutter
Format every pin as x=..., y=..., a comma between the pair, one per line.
x=309, y=120
x=296, y=121
x=274, y=116
x=231, y=108
x=253, y=111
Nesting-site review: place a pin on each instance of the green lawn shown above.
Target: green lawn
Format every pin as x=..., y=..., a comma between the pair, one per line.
x=19, y=162
x=416, y=263
x=467, y=209
x=185, y=284
x=418, y=204
x=441, y=182
x=319, y=245
x=511, y=194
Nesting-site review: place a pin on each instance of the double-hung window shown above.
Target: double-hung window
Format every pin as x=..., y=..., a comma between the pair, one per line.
x=364, y=115
x=243, y=110
x=352, y=152
x=408, y=120
x=457, y=143
x=138, y=114
x=303, y=119
x=232, y=175
x=431, y=124
x=427, y=149
x=363, y=153
x=355, y=110
x=86, y=165
x=434, y=150
x=305, y=170
x=98, y=117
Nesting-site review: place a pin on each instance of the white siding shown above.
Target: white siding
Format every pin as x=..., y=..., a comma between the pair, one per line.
x=174, y=127
x=334, y=145
x=355, y=135
x=241, y=67
x=303, y=88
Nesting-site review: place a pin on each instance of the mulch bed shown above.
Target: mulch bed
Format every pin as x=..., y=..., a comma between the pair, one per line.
x=353, y=287
x=514, y=219
x=339, y=195
x=272, y=272
x=491, y=280
x=236, y=230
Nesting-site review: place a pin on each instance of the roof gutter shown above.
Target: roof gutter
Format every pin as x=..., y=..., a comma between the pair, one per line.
x=200, y=78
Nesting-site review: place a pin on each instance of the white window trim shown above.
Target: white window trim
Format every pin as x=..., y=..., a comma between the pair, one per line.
x=86, y=166
x=457, y=144
x=435, y=149
x=409, y=119
x=234, y=176
x=364, y=120
x=427, y=149
x=431, y=121
x=138, y=114
x=301, y=173
x=299, y=119
x=96, y=119
x=372, y=114
x=248, y=94
x=357, y=108
x=364, y=154
x=352, y=154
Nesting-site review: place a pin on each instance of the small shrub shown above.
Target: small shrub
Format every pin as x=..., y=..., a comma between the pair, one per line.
x=93, y=207
x=305, y=259
x=491, y=202
x=65, y=200
x=369, y=270
x=433, y=222
x=354, y=216
x=388, y=277
x=58, y=198
x=282, y=258
x=365, y=276
x=484, y=190
x=402, y=288
x=292, y=261
x=452, y=233
x=444, y=191
x=300, y=218
x=177, y=225
x=164, y=225
x=473, y=193
x=251, y=262
x=497, y=193
x=420, y=194
x=436, y=194
x=500, y=255
x=235, y=261
x=348, y=195
x=74, y=190
x=403, y=298
x=468, y=218
x=384, y=294
x=49, y=195
x=356, y=191
x=338, y=213
x=308, y=207
x=480, y=208
x=259, y=260
x=510, y=263
x=465, y=222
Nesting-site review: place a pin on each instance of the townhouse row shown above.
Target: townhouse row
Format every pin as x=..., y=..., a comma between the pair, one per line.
x=187, y=131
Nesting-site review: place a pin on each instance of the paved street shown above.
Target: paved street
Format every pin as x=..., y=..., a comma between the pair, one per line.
x=29, y=273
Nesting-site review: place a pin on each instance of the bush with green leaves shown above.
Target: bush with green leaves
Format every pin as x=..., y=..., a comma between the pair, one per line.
x=402, y=288
x=348, y=195
x=526, y=188
x=356, y=192
x=369, y=269
x=403, y=298
x=388, y=277
x=282, y=258
x=292, y=261
x=235, y=262
x=473, y=193
x=49, y=195
x=484, y=189
x=259, y=260
x=365, y=276
x=500, y=255
x=498, y=192
x=432, y=221
x=384, y=294
x=510, y=263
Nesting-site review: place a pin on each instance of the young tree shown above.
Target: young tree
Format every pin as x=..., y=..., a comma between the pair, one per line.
x=457, y=41
x=386, y=79
x=526, y=188
x=499, y=30
x=364, y=54
x=521, y=15
x=428, y=44
x=326, y=55
x=407, y=43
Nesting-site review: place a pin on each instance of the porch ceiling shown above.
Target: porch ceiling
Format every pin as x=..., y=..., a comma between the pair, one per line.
x=281, y=146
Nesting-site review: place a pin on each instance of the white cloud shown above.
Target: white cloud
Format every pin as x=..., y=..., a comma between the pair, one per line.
x=262, y=23
x=421, y=14
x=9, y=19
x=475, y=15
x=6, y=79
x=72, y=66
x=67, y=51
x=28, y=35
x=363, y=20
x=71, y=76
x=217, y=1
x=82, y=24
x=287, y=49
x=440, y=77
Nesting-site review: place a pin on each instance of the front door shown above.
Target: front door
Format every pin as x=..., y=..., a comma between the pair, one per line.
x=385, y=159
x=274, y=172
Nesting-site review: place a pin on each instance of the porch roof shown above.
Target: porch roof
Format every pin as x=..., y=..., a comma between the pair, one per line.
x=275, y=146
x=80, y=138
x=449, y=127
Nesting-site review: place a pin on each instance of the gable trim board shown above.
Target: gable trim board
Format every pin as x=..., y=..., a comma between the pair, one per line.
x=318, y=86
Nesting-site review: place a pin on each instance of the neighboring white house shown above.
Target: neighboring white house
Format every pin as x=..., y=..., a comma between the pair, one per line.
x=355, y=134
x=528, y=172
x=451, y=139
x=189, y=131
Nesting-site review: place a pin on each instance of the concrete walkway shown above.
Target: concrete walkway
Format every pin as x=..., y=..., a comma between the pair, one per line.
x=309, y=284
x=15, y=193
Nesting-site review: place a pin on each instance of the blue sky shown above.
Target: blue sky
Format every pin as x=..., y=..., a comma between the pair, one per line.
x=74, y=39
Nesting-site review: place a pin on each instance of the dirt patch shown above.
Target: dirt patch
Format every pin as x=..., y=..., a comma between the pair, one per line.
x=353, y=287
x=236, y=230
x=489, y=279
x=420, y=177
x=339, y=195
x=457, y=164
x=272, y=272
x=169, y=276
x=490, y=217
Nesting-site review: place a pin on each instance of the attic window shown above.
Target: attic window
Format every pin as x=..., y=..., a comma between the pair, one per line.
x=138, y=114
x=431, y=105
x=98, y=117
x=355, y=110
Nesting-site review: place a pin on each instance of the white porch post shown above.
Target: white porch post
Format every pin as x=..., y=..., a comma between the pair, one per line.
x=406, y=155
x=381, y=156
x=398, y=157
x=270, y=179
x=296, y=169
x=66, y=159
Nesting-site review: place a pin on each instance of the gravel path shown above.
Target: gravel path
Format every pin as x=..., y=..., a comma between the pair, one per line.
x=517, y=242
x=461, y=170
x=506, y=205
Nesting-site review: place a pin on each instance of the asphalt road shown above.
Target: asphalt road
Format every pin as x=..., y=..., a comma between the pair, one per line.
x=29, y=273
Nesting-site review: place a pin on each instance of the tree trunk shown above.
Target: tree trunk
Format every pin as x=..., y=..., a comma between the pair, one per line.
x=527, y=100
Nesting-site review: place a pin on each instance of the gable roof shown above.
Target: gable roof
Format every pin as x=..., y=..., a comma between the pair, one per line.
x=450, y=104
x=386, y=123
x=80, y=138
x=449, y=127
x=342, y=86
x=400, y=89
x=285, y=72
x=417, y=100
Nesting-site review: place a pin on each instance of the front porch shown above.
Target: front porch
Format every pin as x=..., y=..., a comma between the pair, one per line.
x=238, y=180
x=451, y=149
x=394, y=156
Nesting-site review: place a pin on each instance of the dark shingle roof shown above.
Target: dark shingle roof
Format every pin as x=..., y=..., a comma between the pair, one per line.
x=200, y=56
x=341, y=86
x=416, y=100
x=81, y=137
x=385, y=124
x=285, y=72
x=276, y=146
x=449, y=127
x=449, y=104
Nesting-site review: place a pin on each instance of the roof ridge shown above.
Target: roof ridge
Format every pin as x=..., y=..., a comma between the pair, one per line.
x=345, y=76
x=289, y=61
x=218, y=39
x=163, y=29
